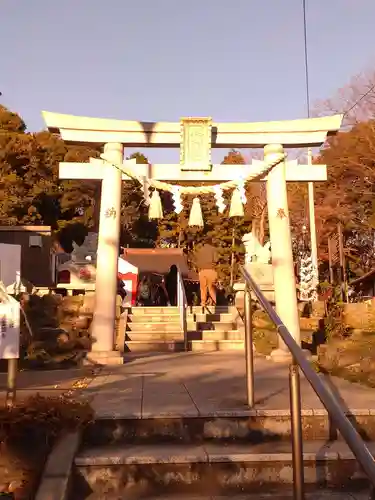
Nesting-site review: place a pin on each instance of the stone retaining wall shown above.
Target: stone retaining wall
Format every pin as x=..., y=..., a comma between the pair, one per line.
x=359, y=316
x=54, y=315
x=356, y=316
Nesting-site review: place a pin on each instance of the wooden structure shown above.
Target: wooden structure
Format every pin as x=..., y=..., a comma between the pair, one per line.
x=158, y=260
x=365, y=285
x=37, y=257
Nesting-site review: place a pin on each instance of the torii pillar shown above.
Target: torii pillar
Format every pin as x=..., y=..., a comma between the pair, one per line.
x=104, y=318
x=281, y=251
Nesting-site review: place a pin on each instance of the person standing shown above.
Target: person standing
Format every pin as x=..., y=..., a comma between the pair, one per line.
x=171, y=285
x=206, y=259
x=144, y=295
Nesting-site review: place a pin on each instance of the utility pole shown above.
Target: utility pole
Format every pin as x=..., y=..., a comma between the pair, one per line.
x=314, y=247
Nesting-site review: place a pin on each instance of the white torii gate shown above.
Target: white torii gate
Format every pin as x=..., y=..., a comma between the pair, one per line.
x=195, y=137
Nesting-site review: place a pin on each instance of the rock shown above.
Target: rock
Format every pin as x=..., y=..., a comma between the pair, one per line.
x=318, y=309
x=357, y=315
x=262, y=321
x=82, y=322
x=48, y=333
x=14, y=486
x=309, y=323
x=88, y=304
x=4, y=488
x=71, y=304
x=63, y=338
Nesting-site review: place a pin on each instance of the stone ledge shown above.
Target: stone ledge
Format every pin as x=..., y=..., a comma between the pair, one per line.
x=104, y=358
x=210, y=453
x=57, y=472
x=226, y=414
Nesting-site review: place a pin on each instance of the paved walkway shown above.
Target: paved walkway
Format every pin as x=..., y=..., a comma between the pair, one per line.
x=48, y=383
x=194, y=384
x=328, y=495
x=189, y=384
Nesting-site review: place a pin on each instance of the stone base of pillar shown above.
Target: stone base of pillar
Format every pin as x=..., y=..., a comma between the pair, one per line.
x=282, y=356
x=104, y=358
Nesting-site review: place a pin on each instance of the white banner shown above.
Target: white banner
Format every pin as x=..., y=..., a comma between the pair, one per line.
x=9, y=329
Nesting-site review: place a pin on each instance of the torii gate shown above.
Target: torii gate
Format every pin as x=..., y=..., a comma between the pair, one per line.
x=195, y=136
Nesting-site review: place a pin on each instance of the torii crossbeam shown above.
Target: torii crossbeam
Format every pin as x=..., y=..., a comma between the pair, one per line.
x=295, y=172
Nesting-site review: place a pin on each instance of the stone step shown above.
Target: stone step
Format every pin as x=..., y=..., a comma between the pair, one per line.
x=193, y=317
x=216, y=345
x=223, y=326
x=213, y=310
x=170, y=325
x=274, y=494
x=172, y=345
x=139, y=470
x=154, y=335
x=140, y=310
x=216, y=335
x=208, y=337
x=218, y=310
x=153, y=318
x=176, y=334
x=209, y=318
x=167, y=326
x=227, y=426
x=150, y=345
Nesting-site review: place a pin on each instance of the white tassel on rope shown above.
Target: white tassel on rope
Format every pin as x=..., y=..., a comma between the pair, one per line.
x=242, y=191
x=145, y=187
x=176, y=196
x=196, y=218
x=236, y=206
x=155, y=209
x=219, y=199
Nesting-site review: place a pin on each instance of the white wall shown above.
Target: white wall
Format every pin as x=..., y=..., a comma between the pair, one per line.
x=10, y=262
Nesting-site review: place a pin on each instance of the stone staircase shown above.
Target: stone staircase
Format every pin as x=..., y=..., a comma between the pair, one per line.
x=248, y=454
x=158, y=329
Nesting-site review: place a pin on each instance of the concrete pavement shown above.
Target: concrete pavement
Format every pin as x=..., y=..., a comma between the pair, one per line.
x=188, y=384
x=196, y=384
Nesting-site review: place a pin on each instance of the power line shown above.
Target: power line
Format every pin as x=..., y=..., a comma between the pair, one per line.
x=359, y=100
x=306, y=59
x=307, y=83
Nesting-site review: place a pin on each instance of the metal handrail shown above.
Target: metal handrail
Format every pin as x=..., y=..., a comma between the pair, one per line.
x=338, y=416
x=182, y=305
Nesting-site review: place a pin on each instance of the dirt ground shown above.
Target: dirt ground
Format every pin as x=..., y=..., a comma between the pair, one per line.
x=20, y=471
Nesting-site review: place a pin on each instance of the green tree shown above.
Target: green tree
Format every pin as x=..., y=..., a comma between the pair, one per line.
x=231, y=230
x=30, y=189
x=136, y=229
x=32, y=193
x=348, y=196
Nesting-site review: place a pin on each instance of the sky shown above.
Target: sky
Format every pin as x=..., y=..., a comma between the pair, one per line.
x=158, y=60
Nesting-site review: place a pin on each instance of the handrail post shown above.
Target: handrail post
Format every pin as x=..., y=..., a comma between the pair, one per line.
x=11, y=381
x=296, y=424
x=186, y=346
x=182, y=306
x=249, y=347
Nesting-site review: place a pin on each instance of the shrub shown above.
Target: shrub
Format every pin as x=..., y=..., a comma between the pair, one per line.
x=28, y=430
x=40, y=416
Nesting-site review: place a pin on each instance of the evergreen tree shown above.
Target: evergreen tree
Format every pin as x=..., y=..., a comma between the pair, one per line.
x=137, y=230
x=30, y=189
